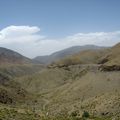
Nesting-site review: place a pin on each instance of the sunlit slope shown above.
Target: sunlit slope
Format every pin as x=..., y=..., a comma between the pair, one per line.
x=76, y=87
x=108, y=57
x=73, y=83
x=44, y=81
x=84, y=57
x=112, y=57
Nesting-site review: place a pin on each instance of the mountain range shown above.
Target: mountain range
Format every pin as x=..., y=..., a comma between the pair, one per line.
x=78, y=83
x=64, y=53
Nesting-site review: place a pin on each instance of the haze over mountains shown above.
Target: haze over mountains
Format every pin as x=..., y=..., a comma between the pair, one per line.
x=10, y=56
x=62, y=86
x=64, y=53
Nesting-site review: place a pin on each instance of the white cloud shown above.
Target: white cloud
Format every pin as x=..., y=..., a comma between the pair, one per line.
x=19, y=34
x=29, y=42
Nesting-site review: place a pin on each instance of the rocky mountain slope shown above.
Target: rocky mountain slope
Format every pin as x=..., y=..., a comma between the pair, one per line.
x=83, y=86
x=107, y=57
x=112, y=57
x=64, y=53
x=9, y=56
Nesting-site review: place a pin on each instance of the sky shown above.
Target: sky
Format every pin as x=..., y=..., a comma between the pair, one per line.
x=41, y=27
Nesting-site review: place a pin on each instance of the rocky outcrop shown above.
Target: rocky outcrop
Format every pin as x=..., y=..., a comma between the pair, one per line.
x=5, y=98
x=109, y=68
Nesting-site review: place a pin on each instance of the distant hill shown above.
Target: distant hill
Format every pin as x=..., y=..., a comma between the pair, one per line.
x=83, y=57
x=64, y=53
x=9, y=56
x=108, y=58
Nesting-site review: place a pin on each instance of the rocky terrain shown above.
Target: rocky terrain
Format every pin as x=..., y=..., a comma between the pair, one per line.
x=81, y=86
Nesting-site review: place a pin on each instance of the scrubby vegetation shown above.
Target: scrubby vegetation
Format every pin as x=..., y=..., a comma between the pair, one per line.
x=17, y=114
x=74, y=88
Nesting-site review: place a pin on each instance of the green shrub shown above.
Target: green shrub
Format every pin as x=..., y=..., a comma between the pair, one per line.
x=85, y=114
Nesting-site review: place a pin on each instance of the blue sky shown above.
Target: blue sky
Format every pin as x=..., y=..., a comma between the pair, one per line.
x=58, y=20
